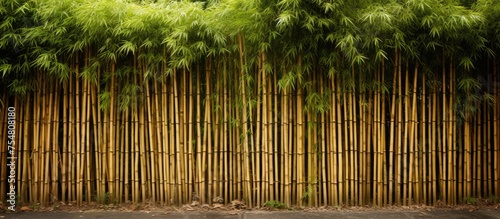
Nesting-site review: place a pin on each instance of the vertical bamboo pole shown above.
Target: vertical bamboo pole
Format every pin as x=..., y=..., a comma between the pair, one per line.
x=434, y=144
x=26, y=163
x=182, y=138
x=277, y=157
x=324, y=153
x=488, y=150
x=363, y=108
x=78, y=136
x=353, y=143
x=165, y=133
x=227, y=149
x=399, y=146
x=127, y=154
x=442, y=145
x=406, y=134
x=259, y=143
x=286, y=174
x=247, y=184
x=383, y=135
x=3, y=144
x=151, y=128
x=142, y=148
x=111, y=140
x=217, y=136
x=496, y=130
x=451, y=139
x=199, y=151
x=208, y=132
x=334, y=157
x=190, y=139
x=340, y=143
x=266, y=168
x=378, y=149
x=423, y=165
x=413, y=172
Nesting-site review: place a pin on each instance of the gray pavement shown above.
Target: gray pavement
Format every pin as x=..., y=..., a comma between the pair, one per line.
x=382, y=214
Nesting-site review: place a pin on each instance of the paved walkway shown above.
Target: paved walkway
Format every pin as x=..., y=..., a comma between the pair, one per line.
x=382, y=214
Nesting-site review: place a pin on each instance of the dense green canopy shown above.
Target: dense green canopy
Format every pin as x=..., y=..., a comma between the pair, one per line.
x=40, y=35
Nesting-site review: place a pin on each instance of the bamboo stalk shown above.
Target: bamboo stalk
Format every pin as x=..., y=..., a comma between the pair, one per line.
x=3, y=148
x=413, y=129
x=226, y=140
x=399, y=127
x=26, y=145
x=200, y=191
x=285, y=148
x=153, y=152
x=190, y=139
x=333, y=159
x=217, y=145
x=324, y=153
x=208, y=134
x=111, y=145
x=378, y=148
x=266, y=168
x=406, y=135
x=496, y=130
x=353, y=146
x=278, y=188
x=247, y=184
x=451, y=137
x=423, y=165
x=434, y=145
x=340, y=144
x=256, y=167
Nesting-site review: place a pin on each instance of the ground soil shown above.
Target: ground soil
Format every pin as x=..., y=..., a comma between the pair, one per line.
x=232, y=209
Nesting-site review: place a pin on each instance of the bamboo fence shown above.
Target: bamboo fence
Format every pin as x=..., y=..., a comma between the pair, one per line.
x=206, y=131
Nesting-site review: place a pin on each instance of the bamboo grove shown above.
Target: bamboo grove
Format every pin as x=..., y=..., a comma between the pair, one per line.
x=306, y=102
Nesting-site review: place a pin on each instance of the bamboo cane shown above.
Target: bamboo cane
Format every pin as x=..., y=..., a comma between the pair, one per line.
x=362, y=146
x=435, y=146
x=190, y=139
x=451, y=140
x=378, y=148
x=413, y=128
x=3, y=147
x=496, y=130
x=340, y=144
x=423, y=165
x=226, y=140
x=208, y=133
x=392, y=137
x=135, y=161
x=277, y=158
x=300, y=142
x=165, y=132
x=151, y=120
x=285, y=147
x=383, y=136
x=406, y=137
x=324, y=153
x=26, y=145
x=333, y=159
x=266, y=168
x=399, y=132
x=120, y=156
x=200, y=190
x=217, y=145
x=247, y=184
x=487, y=137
